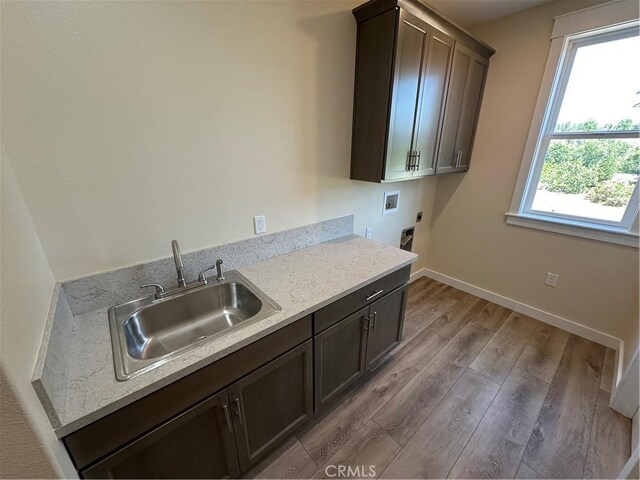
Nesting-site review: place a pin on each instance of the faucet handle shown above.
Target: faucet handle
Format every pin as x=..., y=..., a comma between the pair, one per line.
x=159, y=288
x=201, y=276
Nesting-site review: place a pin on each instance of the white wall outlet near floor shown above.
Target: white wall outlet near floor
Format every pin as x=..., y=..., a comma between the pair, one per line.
x=367, y=233
x=552, y=279
x=259, y=224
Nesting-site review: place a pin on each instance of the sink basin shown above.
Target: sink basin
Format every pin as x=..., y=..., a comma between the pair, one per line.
x=148, y=332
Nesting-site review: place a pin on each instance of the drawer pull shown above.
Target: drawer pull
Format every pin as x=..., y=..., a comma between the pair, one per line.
x=374, y=294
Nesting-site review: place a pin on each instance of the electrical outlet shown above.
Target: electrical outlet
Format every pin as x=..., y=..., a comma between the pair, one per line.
x=552, y=279
x=368, y=233
x=419, y=217
x=259, y=224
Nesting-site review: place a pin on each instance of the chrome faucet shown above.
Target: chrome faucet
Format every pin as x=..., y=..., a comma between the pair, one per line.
x=182, y=283
x=177, y=258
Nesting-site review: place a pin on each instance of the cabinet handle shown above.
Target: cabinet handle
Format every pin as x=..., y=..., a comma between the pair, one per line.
x=238, y=410
x=414, y=160
x=457, y=158
x=227, y=417
x=372, y=321
x=365, y=323
x=373, y=295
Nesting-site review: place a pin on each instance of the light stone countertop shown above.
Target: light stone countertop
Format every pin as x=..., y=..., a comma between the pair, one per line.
x=301, y=282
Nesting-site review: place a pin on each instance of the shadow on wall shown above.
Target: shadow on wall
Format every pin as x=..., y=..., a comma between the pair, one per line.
x=447, y=186
x=334, y=36
x=19, y=448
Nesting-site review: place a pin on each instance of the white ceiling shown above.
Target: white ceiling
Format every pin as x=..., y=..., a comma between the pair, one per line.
x=474, y=12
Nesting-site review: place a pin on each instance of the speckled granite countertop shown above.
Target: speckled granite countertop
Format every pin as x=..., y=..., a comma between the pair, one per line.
x=300, y=282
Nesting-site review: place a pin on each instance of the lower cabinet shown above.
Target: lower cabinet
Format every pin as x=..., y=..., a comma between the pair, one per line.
x=357, y=344
x=219, y=421
x=340, y=355
x=226, y=433
x=268, y=404
x=386, y=318
x=198, y=443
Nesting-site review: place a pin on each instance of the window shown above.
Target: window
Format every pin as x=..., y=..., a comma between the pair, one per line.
x=584, y=147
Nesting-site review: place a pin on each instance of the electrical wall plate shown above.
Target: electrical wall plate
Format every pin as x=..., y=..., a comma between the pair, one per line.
x=259, y=224
x=391, y=202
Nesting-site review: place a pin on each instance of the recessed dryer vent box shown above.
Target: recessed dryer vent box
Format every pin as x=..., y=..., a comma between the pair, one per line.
x=391, y=202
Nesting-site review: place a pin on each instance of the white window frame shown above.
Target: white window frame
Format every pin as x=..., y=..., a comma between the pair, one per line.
x=613, y=19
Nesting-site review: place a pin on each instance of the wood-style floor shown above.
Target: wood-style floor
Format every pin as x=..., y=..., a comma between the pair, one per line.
x=474, y=391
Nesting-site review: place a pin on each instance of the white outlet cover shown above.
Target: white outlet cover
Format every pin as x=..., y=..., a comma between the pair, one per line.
x=259, y=224
x=552, y=279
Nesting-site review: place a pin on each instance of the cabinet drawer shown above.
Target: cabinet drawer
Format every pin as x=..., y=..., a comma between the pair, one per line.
x=331, y=314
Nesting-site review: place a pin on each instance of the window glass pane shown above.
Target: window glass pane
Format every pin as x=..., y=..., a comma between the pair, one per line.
x=588, y=178
x=603, y=88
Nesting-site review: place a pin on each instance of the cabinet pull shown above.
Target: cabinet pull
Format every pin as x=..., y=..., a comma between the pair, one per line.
x=411, y=163
x=457, y=157
x=238, y=411
x=372, y=322
x=365, y=323
x=373, y=295
x=227, y=417
x=418, y=162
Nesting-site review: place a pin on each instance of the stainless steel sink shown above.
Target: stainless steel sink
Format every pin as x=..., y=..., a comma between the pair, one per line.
x=147, y=332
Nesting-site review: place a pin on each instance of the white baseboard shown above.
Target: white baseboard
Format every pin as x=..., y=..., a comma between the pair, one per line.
x=625, y=386
x=415, y=276
x=533, y=312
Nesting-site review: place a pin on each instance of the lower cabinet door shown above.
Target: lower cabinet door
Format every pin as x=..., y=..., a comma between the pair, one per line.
x=270, y=403
x=339, y=356
x=198, y=443
x=386, y=318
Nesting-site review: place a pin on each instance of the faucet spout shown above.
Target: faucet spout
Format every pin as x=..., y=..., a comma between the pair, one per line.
x=177, y=258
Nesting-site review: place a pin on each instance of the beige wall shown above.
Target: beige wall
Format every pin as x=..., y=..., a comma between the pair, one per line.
x=28, y=446
x=469, y=239
x=132, y=123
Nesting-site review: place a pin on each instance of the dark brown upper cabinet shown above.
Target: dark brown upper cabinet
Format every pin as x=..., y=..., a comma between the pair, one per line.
x=418, y=86
x=463, y=105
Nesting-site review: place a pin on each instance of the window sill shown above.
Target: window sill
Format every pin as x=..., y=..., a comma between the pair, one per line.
x=567, y=227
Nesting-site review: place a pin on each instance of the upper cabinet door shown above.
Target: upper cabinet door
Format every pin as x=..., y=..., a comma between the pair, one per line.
x=461, y=111
x=412, y=38
x=431, y=103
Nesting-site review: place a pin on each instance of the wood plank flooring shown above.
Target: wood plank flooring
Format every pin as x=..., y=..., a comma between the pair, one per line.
x=474, y=391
